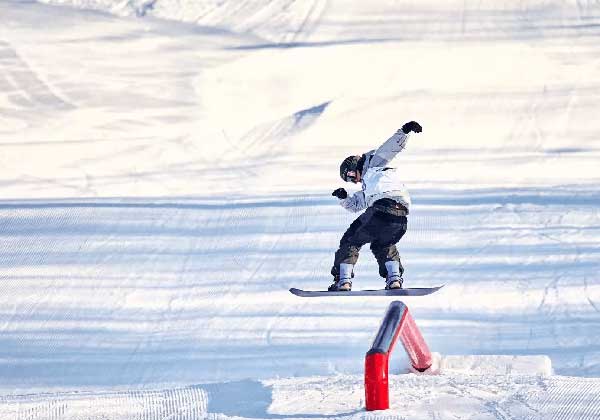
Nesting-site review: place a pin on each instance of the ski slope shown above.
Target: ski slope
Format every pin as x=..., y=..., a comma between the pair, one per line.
x=166, y=170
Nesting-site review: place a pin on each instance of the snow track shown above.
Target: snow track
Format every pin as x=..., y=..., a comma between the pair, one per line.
x=155, y=282
x=567, y=398
x=182, y=404
x=278, y=21
x=23, y=86
x=492, y=397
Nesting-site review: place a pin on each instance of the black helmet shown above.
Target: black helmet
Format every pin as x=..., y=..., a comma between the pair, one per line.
x=349, y=167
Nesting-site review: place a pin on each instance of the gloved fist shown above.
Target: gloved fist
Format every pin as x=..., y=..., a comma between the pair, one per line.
x=340, y=193
x=412, y=126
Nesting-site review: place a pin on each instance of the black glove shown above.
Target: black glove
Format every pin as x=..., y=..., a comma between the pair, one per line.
x=340, y=193
x=412, y=126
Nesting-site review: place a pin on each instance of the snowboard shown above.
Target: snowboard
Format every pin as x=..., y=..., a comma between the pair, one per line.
x=414, y=291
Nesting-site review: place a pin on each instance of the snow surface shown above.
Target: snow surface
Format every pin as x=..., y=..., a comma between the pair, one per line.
x=166, y=170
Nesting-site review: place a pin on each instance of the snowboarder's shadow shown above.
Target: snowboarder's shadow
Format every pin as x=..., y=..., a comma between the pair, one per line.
x=251, y=399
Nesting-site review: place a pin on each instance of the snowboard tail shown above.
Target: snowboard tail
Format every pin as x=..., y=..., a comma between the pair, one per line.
x=414, y=291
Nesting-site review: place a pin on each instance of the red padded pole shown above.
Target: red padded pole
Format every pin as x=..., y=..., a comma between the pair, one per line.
x=414, y=343
x=376, y=381
x=397, y=323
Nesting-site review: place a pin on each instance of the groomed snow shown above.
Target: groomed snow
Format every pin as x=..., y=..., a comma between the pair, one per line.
x=166, y=170
x=446, y=396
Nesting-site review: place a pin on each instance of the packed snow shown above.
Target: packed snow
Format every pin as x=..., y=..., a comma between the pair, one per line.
x=167, y=169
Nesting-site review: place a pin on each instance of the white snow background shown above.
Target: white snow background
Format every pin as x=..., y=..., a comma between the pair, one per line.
x=165, y=177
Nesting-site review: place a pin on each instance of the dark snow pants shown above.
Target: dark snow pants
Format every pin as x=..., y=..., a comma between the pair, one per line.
x=382, y=230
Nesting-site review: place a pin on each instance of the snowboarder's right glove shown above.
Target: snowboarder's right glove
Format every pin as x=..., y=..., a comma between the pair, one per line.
x=340, y=193
x=412, y=126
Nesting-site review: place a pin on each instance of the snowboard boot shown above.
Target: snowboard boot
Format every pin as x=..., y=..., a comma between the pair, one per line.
x=343, y=282
x=394, y=283
x=394, y=278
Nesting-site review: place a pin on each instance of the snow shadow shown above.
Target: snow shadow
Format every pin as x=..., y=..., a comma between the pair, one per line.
x=247, y=398
x=250, y=399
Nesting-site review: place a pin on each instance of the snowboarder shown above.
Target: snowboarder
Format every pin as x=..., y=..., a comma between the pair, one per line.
x=384, y=222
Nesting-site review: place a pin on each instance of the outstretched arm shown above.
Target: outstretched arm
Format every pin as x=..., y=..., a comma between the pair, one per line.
x=394, y=145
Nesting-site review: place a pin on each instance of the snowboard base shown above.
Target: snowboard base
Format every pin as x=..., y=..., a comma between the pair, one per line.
x=413, y=291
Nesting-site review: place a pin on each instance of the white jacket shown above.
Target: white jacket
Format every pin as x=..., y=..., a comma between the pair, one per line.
x=380, y=180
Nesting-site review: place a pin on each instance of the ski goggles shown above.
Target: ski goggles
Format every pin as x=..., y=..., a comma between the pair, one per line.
x=350, y=176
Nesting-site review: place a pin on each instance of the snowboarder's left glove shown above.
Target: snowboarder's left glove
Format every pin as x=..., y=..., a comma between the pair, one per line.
x=412, y=126
x=340, y=193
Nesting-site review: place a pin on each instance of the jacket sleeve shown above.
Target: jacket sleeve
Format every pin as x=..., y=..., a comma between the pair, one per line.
x=355, y=203
x=388, y=150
